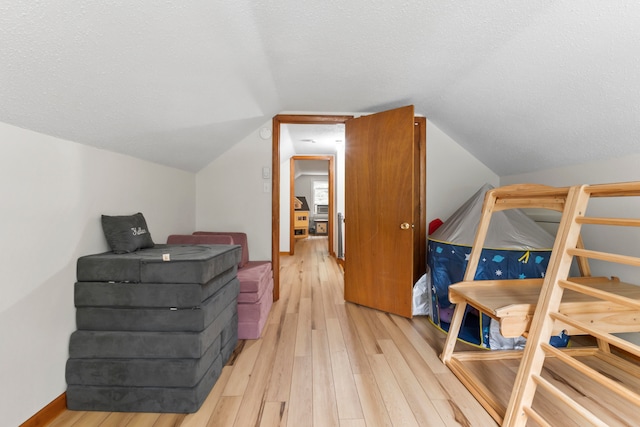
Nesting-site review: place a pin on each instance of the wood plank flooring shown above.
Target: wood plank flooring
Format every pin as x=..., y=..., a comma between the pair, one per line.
x=324, y=362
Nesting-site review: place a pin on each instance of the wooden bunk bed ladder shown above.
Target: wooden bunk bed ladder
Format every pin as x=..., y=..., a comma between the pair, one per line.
x=585, y=385
x=603, y=310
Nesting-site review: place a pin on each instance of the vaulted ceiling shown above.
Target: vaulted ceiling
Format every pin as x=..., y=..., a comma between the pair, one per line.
x=523, y=86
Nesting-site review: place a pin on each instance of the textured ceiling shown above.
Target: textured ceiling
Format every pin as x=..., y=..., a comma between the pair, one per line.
x=314, y=139
x=523, y=86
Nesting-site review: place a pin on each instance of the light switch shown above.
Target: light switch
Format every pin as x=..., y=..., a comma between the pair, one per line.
x=266, y=187
x=266, y=172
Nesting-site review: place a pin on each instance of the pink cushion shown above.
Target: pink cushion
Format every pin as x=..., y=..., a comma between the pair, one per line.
x=254, y=277
x=253, y=317
x=190, y=239
x=238, y=239
x=252, y=330
x=255, y=311
x=251, y=297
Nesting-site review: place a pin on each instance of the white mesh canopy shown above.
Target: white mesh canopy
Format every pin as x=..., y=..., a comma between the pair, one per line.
x=511, y=229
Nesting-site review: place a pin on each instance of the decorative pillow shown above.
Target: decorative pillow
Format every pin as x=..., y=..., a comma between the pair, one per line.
x=126, y=233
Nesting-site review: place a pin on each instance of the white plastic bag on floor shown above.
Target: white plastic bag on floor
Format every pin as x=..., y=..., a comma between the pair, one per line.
x=498, y=342
x=421, y=296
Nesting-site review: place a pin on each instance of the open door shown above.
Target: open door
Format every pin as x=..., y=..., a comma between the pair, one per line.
x=380, y=214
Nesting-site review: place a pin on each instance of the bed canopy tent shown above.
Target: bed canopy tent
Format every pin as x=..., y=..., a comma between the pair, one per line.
x=516, y=247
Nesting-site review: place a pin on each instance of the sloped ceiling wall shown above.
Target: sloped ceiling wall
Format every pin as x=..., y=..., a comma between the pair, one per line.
x=523, y=86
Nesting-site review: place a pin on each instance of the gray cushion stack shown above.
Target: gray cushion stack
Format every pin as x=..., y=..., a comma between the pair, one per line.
x=155, y=328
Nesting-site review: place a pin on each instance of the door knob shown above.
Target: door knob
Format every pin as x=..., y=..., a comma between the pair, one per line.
x=405, y=226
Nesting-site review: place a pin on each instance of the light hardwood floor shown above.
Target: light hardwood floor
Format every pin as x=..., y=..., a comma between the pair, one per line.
x=324, y=362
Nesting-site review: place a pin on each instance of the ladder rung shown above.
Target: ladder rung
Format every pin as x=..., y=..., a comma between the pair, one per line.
x=581, y=410
x=605, y=256
x=536, y=417
x=610, y=384
x=556, y=204
x=613, y=190
x=590, y=330
x=599, y=293
x=529, y=191
x=624, y=222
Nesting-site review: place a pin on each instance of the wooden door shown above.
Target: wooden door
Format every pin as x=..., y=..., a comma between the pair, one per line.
x=380, y=213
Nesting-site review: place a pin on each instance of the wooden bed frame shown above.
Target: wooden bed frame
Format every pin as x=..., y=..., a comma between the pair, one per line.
x=540, y=308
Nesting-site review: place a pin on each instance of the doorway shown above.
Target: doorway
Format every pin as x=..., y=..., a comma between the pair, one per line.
x=276, y=193
x=313, y=178
x=420, y=168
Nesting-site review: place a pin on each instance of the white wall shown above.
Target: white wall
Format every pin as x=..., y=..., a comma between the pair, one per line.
x=339, y=197
x=285, y=203
x=286, y=152
x=230, y=194
x=611, y=170
x=339, y=178
x=53, y=193
x=600, y=238
x=453, y=175
x=304, y=187
x=605, y=238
